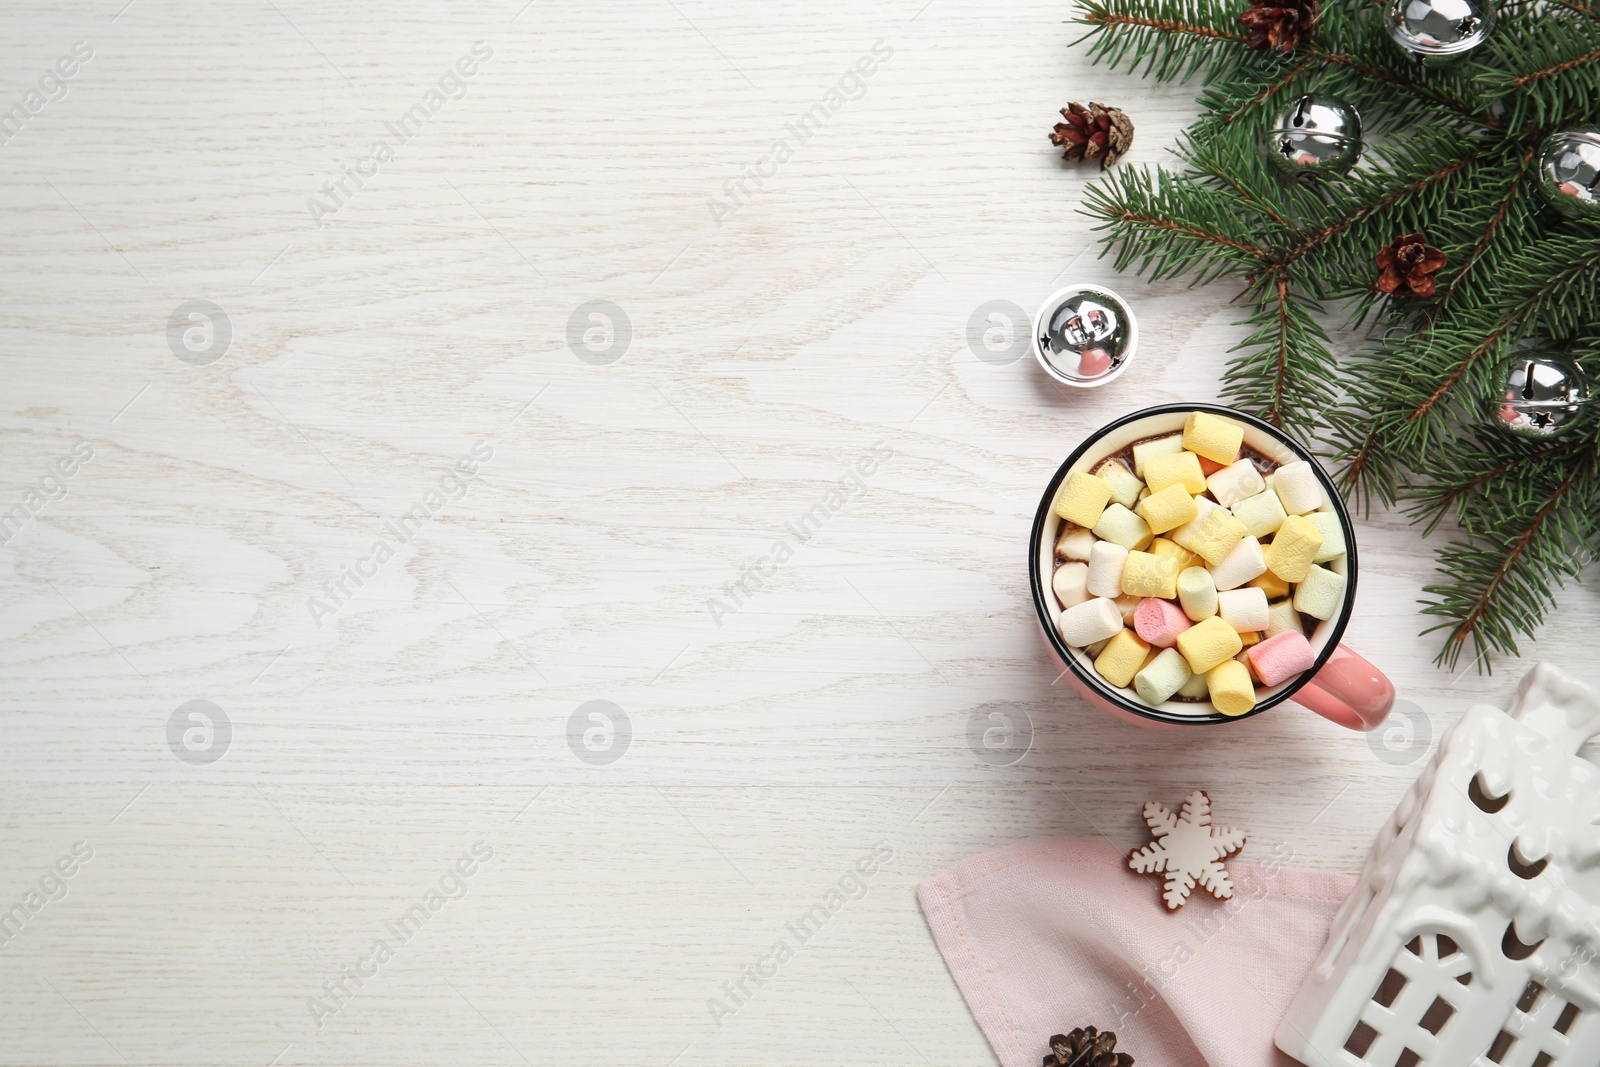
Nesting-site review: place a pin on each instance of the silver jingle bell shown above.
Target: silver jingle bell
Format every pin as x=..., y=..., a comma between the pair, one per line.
x=1439, y=31
x=1542, y=398
x=1569, y=172
x=1084, y=335
x=1316, y=135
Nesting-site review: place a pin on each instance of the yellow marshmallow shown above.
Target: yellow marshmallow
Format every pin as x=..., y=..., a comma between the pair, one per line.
x=1212, y=536
x=1232, y=691
x=1082, y=499
x=1163, y=547
x=1147, y=574
x=1180, y=468
x=1293, y=548
x=1122, y=657
x=1208, y=643
x=1275, y=588
x=1213, y=437
x=1169, y=508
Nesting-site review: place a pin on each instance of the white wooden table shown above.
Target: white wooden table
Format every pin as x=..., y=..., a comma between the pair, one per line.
x=375, y=740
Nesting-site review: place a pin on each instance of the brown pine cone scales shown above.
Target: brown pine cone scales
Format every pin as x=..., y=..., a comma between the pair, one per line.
x=1086, y=1047
x=1407, y=266
x=1279, y=25
x=1093, y=132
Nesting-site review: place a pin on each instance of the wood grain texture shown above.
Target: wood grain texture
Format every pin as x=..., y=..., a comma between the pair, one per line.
x=770, y=748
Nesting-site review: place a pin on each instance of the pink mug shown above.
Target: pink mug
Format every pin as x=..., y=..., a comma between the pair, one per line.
x=1340, y=685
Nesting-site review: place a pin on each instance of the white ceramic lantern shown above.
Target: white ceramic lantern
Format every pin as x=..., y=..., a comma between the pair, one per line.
x=1473, y=936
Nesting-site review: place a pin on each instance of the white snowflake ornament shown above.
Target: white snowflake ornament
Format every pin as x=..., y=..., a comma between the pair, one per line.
x=1187, y=849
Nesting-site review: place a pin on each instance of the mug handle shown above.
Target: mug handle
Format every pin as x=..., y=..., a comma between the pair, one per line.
x=1348, y=690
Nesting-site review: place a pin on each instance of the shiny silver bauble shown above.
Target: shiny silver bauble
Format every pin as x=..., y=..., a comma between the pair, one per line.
x=1543, y=397
x=1084, y=335
x=1569, y=172
x=1439, y=31
x=1316, y=135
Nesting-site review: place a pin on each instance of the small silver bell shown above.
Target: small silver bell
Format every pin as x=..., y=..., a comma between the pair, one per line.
x=1084, y=335
x=1543, y=397
x=1316, y=135
x=1569, y=172
x=1439, y=31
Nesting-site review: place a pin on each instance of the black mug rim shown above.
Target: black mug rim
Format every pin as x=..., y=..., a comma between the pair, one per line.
x=1041, y=592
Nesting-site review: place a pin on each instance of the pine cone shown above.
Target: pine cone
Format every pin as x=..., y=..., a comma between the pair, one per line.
x=1093, y=131
x=1407, y=265
x=1281, y=25
x=1086, y=1047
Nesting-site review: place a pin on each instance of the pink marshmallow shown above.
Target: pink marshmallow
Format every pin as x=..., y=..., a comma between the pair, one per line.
x=1281, y=657
x=1160, y=621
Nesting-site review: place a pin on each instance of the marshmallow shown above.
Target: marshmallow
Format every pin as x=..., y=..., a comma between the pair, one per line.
x=1160, y=622
x=1093, y=620
x=1261, y=514
x=1122, y=527
x=1122, y=657
x=1321, y=594
x=1095, y=649
x=1297, y=487
x=1235, y=482
x=1161, y=446
x=1195, y=687
x=1245, y=562
x=1163, y=547
x=1243, y=609
x=1197, y=592
x=1292, y=549
x=1212, y=535
x=1282, y=618
x=1082, y=498
x=1207, y=643
x=1177, y=468
x=1212, y=436
x=1327, y=523
x=1071, y=584
x=1275, y=588
x=1124, y=486
x=1232, y=691
x=1248, y=638
x=1208, y=467
x=1145, y=574
x=1168, y=508
x=1105, y=569
x=1074, y=542
x=1162, y=677
x=1277, y=659
x=1129, y=606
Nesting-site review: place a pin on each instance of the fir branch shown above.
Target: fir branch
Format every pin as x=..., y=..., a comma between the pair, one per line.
x=1171, y=40
x=1473, y=472
x=1172, y=225
x=1391, y=197
x=1285, y=374
x=1514, y=189
x=1543, y=68
x=1503, y=589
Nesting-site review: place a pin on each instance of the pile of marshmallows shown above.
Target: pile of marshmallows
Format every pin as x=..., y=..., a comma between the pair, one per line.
x=1215, y=605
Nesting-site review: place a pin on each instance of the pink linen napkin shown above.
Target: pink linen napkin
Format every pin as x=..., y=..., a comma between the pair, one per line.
x=1046, y=936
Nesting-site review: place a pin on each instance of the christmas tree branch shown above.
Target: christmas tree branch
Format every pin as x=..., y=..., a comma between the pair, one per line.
x=1172, y=40
x=1172, y=226
x=1285, y=374
x=1491, y=231
x=1366, y=210
x=1453, y=487
x=1516, y=590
